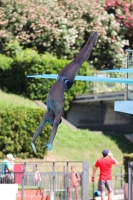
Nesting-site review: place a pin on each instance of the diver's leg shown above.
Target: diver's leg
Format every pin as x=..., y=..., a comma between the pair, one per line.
x=38, y=131
x=71, y=70
x=54, y=129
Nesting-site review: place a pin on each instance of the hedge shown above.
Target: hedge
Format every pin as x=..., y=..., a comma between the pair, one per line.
x=127, y=158
x=17, y=126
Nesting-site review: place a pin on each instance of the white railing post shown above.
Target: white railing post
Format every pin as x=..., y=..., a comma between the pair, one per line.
x=85, y=195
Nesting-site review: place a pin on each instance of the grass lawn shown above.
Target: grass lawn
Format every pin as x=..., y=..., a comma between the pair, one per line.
x=80, y=145
x=84, y=145
x=87, y=145
x=76, y=145
x=11, y=99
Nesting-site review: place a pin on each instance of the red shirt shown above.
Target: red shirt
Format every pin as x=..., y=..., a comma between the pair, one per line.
x=105, y=165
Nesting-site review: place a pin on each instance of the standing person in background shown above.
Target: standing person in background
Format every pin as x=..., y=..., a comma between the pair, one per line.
x=7, y=169
x=105, y=179
x=75, y=183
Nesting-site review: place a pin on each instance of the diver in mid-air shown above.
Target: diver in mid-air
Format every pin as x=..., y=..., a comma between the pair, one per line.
x=55, y=98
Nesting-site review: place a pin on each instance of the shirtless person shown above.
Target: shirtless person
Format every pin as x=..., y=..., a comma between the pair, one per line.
x=55, y=98
x=75, y=183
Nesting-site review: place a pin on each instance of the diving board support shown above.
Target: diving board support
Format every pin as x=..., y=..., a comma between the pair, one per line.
x=127, y=105
x=124, y=106
x=126, y=85
x=128, y=69
x=130, y=94
x=129, y=65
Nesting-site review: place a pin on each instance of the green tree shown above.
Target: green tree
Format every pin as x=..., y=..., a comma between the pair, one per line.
x=62, y=28
x=123, y=11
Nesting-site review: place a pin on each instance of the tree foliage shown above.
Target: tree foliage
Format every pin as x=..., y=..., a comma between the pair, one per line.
x=62, y=28
x=123, y=11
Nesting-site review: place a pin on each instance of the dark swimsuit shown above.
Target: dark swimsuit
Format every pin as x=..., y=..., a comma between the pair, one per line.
x=65, y=80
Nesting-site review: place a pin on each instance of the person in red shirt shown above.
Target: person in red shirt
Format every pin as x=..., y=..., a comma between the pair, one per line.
x=105, y=178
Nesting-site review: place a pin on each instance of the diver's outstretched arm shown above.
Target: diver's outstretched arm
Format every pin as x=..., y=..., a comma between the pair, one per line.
x=38, y=131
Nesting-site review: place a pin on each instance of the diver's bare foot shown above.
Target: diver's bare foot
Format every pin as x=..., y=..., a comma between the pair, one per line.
x=49, y=146
x=94, y=37
x=33, y=147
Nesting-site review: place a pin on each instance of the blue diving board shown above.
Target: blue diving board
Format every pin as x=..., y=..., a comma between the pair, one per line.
x=86, y=78
x=121, y=70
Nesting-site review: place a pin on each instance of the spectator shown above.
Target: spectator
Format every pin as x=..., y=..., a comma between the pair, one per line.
x=75, y=183
x=37, y=177
x=105, y=179
x=7, y=169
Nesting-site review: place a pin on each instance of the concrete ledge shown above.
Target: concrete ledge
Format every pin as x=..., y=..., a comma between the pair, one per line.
x=8, y=191
x=124, y=106
x=130, y=94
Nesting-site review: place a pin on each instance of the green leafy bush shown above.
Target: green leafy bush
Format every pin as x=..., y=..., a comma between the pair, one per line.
x=5, y=62
x=127, y=158
x=17, y=126
x=123, y=12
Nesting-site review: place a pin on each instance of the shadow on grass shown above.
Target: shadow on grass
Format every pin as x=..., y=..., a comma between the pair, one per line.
x=123, y=143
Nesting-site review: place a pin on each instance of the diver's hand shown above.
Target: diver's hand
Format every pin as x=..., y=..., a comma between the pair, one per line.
x=33, y=147
x=49, y=146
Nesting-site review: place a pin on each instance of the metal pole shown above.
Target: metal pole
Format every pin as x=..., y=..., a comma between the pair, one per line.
x=66, y=185
x=101, y=113
x=85, y=194
x=53, y=166
x=93, y=185
x=132, y=66
x=54, y=176
x=121, y=177
x=67, y=166
x=128, y=62
x=24, y=170
x=36, y=167
x=67, y=182
x=130, y=165
x=126, y=85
